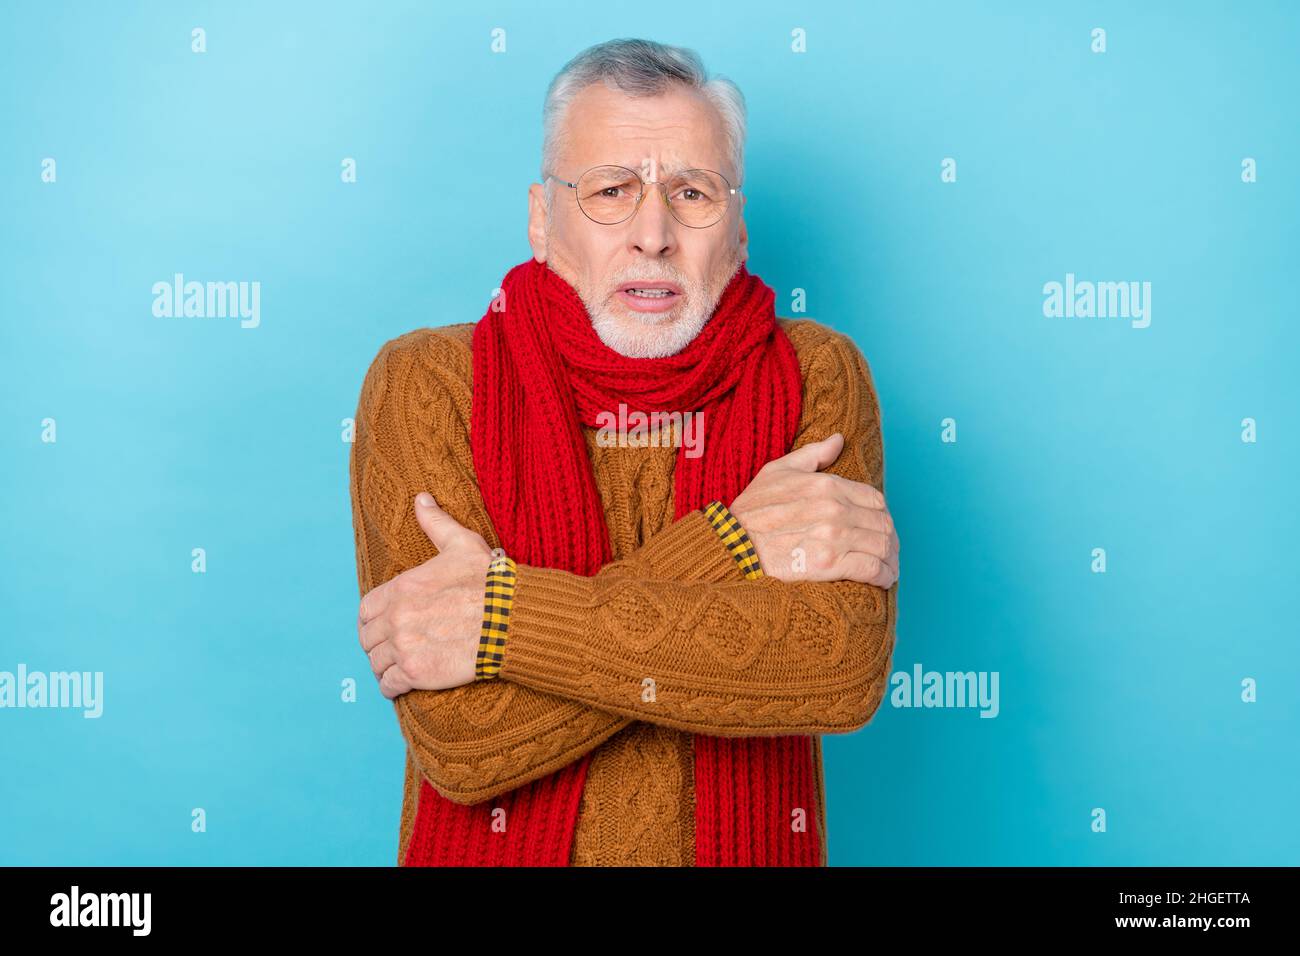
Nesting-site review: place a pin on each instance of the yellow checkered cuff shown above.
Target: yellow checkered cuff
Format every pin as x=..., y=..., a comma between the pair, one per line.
x=733, y=536
x=499, y=593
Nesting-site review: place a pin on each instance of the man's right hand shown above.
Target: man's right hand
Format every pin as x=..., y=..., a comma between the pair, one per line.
x=807, y=525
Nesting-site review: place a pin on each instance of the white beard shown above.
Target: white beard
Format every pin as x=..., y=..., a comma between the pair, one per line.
x=652, y=337
x=654, y=334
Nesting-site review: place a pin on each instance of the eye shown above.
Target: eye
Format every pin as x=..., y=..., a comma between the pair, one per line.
x=695, y=188
x=606, y=186
x=689, y=195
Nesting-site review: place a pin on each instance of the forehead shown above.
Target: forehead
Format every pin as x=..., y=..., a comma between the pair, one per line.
x=675, y=130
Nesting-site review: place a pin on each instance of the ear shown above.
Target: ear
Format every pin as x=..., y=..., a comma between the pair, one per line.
x=537, y=220
x=744, y=232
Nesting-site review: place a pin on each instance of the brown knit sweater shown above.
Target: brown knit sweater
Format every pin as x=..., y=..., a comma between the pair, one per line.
x=730, y=656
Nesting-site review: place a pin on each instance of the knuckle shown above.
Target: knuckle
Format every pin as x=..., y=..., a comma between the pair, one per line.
x=820, y=557
x=402, y=618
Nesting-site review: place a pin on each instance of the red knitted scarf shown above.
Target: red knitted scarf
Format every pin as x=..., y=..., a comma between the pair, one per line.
x=540, y=374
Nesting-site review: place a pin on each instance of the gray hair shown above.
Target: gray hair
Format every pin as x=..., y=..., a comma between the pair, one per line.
x=640, y=68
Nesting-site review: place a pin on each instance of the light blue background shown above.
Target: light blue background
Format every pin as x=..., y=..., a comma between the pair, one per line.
x=1119, y=690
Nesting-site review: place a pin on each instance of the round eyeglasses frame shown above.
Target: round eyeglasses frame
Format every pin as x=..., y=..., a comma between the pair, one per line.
x=731, y=191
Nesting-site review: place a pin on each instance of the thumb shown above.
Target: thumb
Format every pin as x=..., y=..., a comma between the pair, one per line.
x=440, y=527
x=816, y=455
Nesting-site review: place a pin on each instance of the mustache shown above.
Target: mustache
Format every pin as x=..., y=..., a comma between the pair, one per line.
x=690, y=287
x=665, y=272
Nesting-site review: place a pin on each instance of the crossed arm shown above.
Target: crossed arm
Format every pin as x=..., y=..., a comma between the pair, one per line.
x=672, y=633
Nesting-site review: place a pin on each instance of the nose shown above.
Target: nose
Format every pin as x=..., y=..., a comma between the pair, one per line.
x=653, y=230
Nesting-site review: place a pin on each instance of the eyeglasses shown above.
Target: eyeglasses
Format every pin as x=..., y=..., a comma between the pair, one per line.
x=611, y=194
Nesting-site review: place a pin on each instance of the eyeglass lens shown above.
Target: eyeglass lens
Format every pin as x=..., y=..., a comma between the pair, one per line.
x=697, y=197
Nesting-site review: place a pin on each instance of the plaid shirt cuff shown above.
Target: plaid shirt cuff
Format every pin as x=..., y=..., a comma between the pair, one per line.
x=499, y=593
x=734, y=537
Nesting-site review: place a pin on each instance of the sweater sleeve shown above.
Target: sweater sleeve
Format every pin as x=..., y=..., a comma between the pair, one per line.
x=499, y=588
x=487, y=737
x=723, y=657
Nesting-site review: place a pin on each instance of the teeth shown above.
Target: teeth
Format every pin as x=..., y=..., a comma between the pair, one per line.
x=651, y=293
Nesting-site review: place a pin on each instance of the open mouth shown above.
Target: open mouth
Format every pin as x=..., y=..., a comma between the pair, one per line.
x=650, y=296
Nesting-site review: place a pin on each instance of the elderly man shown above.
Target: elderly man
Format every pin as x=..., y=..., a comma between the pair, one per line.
x=610, y=645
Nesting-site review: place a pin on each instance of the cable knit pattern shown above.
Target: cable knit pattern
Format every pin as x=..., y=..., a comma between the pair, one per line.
x=727, y=656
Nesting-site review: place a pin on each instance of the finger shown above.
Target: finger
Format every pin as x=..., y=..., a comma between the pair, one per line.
x=857, y=516
x=892, y=565
x=875, y=543
x=382, y=656
x=856, y=566
x=373, y=633
x=441, y=527
x=374, y=603
x=889, y=564
x=859, y=493
x=813, y=456
x=394, y=683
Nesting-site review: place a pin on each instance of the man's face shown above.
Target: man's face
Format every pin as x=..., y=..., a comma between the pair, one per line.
x=656, y=136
